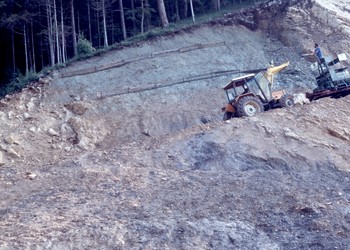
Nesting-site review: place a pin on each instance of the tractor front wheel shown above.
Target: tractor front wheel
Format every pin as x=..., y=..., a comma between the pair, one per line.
x=249, y=106
x=286, y=100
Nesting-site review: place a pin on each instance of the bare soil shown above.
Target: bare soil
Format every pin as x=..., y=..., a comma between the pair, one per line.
x=86, y=164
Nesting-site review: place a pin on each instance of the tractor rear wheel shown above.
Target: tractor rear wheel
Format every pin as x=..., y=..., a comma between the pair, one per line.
x=249, y=106
x=286, y=100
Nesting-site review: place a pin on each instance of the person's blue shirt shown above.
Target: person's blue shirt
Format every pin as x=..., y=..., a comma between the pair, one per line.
x=318, y=52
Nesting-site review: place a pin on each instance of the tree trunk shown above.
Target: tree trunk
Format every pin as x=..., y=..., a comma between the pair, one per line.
x=133, y=17
x=89, y=20
x=42, y=51
x=185, y=8
x=49, y=35
x=74, y=33
x=64, y=58
x=215, y=4
x=162, y=13
x=177, y=12
x=122, y=20
x=192, y=12
x=33, y=47
x=104, y=24
x=142, y=16
x=26, y=48
x=98, y=28
x=147, y=15
x=78, y=16
x=13, y=50
x=41, y=46
x=56, y=33
x=29, y=47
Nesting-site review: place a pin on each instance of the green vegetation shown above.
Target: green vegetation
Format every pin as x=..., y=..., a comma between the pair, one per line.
x=18, y=82
x=84, y=46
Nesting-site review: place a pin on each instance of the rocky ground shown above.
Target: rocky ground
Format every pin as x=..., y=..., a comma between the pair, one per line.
x=88, y=161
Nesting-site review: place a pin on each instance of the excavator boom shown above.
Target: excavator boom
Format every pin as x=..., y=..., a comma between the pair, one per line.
x=271, y=71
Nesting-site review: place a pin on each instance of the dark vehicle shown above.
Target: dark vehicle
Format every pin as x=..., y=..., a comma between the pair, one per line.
x=333, y=79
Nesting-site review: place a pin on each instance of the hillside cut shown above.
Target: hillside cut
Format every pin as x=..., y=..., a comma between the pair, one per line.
x=128, y=150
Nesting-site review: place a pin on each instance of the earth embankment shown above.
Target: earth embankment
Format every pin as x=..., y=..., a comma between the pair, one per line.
x=87, y=164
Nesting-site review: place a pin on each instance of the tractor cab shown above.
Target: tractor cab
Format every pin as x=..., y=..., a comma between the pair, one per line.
x=237, y=86
x=251, y=84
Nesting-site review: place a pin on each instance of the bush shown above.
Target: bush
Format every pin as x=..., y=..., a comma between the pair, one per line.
x=84, y=46
x=18, y=83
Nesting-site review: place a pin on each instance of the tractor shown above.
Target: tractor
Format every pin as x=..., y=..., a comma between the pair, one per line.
x=250, y=94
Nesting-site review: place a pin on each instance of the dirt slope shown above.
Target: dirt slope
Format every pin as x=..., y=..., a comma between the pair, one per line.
x=87, y=165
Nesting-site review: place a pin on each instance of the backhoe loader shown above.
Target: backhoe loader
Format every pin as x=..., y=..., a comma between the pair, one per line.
x=250, y=94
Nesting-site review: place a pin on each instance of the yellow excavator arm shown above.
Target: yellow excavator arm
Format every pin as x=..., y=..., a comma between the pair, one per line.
x=271, y=71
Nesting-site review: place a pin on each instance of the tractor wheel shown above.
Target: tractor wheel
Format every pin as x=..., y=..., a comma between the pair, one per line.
x=286, y=100
x=249, y=106
x=227, y=115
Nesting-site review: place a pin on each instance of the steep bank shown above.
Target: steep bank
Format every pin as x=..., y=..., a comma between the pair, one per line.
x=84, y=166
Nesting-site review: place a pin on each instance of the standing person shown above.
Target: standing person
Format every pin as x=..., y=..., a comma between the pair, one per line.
x=318, y=54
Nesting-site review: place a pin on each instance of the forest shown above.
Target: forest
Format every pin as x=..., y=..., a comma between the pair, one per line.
x=43, y=33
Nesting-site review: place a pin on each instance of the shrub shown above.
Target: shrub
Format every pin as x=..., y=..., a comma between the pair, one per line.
x=84, y=46
x=18, y=83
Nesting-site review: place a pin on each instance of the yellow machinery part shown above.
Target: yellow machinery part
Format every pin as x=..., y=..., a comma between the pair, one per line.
x=271, y=71
x=278, y=94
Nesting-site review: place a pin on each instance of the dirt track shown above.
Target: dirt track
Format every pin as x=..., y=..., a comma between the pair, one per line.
x=160, y=170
